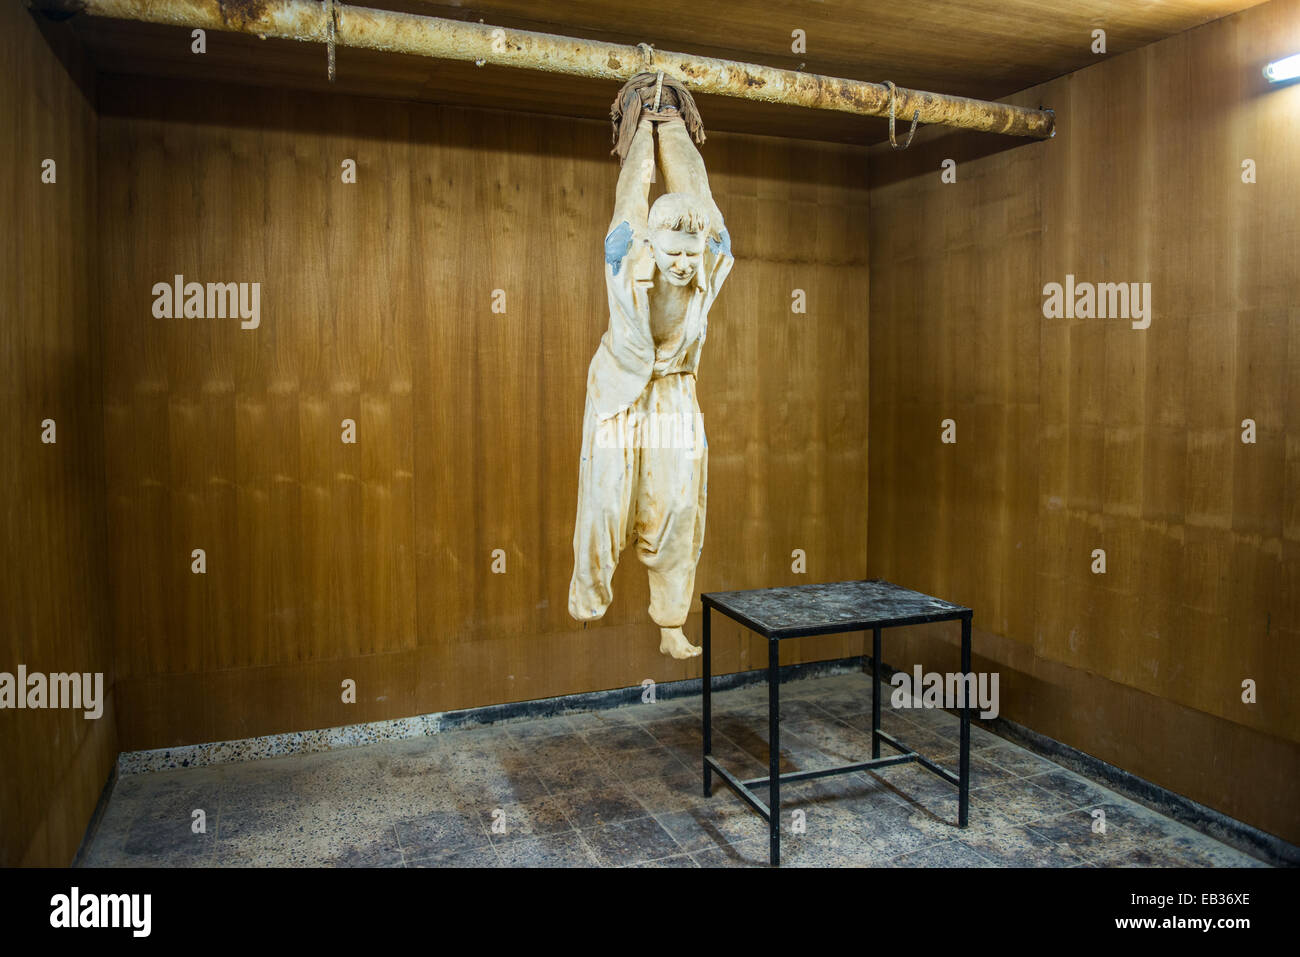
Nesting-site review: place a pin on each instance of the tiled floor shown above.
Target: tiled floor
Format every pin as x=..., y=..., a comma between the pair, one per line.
x=622, y=787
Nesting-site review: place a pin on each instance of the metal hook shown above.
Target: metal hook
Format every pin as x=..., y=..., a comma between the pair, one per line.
x=648, y=52
x=329, y=35
x=893, y=104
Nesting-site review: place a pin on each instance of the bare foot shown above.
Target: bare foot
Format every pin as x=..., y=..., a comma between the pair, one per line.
x=673, y=642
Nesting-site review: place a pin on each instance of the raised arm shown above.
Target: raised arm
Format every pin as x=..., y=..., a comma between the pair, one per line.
x=631, y=203
x=684, y=170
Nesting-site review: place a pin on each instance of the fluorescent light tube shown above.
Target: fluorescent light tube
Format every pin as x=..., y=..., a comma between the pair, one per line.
x=1285, y=69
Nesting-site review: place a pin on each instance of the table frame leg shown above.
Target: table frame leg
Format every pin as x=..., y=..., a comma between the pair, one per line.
x=708, y=705
x=963, y=787
x=875, y=692
x=774, y=749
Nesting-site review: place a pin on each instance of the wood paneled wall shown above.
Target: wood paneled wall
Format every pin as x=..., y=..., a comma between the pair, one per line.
x=54, y=580
x=1082, y=434
x=373, y=561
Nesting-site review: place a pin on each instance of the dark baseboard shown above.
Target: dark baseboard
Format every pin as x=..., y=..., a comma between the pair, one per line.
x=618, y=697
x=96, y=816
x=1248, y=839
x=1244, y=837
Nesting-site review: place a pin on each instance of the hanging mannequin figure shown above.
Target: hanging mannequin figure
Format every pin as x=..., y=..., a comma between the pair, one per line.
x=643, y=474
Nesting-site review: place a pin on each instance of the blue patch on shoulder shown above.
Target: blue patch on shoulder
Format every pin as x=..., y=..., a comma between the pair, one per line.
x=722, y=244
x=617, y=243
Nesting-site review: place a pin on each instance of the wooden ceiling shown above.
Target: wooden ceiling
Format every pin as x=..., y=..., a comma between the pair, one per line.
x=979, y=48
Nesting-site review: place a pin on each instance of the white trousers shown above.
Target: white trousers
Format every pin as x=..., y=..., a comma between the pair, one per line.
x=633, y=489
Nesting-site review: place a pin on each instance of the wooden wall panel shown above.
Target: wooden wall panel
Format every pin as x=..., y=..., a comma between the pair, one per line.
x=54, y=579
x=1075, y=434
x=328, y=561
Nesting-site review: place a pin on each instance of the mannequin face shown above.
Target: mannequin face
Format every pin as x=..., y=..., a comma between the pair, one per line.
x=678, y=254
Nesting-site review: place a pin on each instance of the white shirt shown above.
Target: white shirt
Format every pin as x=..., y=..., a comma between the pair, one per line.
x=627, y=357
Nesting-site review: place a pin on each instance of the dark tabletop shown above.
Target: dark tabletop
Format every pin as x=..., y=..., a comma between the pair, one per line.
x=831, y=608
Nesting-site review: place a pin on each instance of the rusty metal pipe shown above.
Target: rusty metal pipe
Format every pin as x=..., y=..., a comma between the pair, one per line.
x=522, y=49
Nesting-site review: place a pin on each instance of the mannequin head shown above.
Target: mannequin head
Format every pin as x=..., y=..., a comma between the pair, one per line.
x=677, y=231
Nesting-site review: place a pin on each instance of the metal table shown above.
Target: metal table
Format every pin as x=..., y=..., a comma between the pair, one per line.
x=826, y=609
